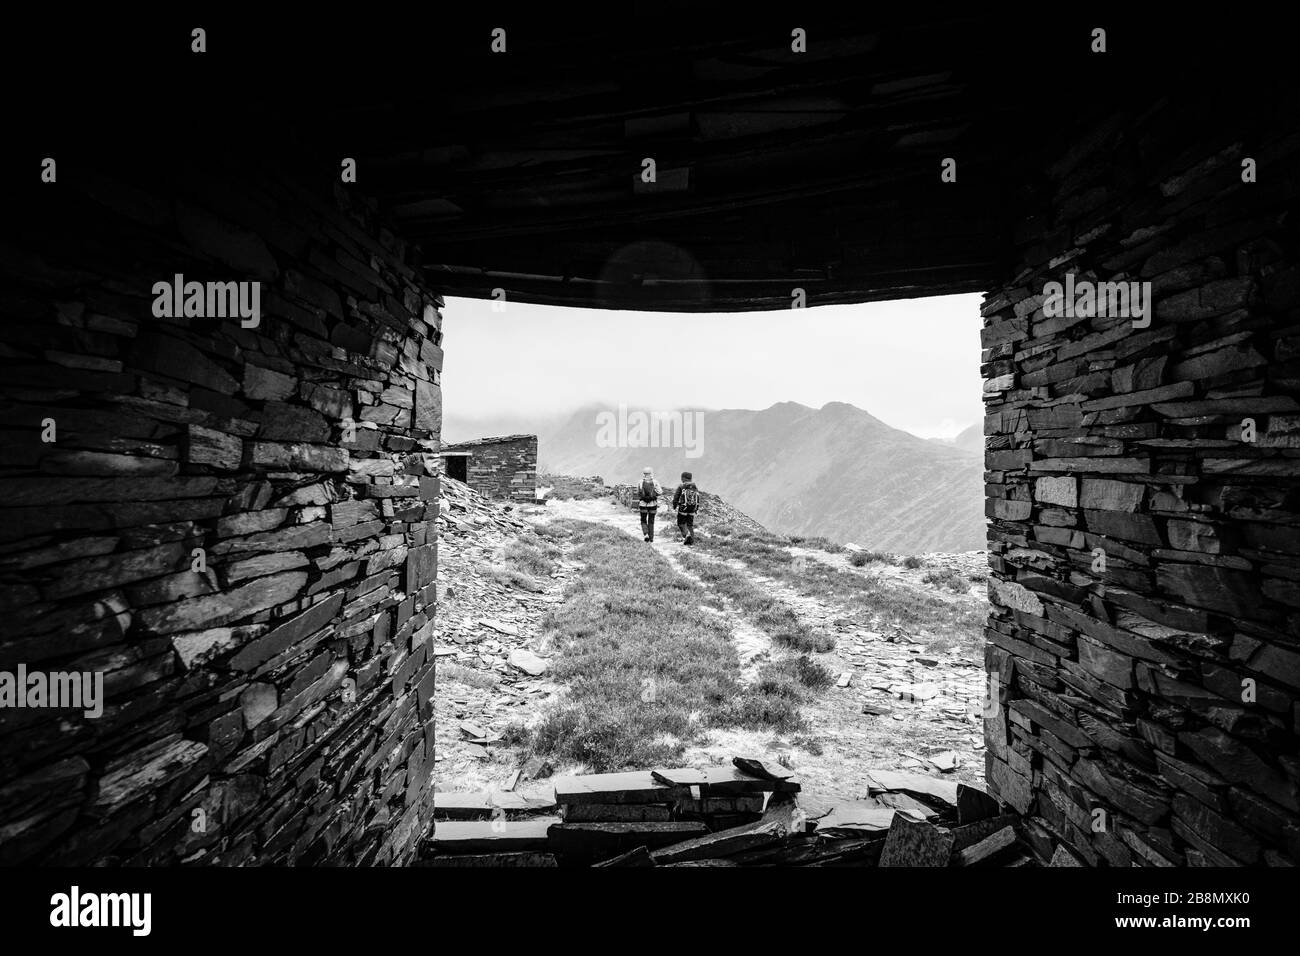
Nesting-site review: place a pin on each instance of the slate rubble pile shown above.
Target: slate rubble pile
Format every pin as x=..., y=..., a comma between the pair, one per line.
x=485, y=626
x=465, y=511
x=746, y=814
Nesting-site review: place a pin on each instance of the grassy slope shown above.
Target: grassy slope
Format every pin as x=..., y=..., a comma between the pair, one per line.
x=885, y=600
x=647, y=668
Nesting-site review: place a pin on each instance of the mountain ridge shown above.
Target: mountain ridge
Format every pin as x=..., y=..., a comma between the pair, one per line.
x=837, y=471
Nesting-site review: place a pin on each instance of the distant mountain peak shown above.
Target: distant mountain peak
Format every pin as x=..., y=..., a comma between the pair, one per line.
x=836, y=471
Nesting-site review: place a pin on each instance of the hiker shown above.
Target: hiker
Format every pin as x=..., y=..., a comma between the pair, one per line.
x=649, y=503
x=686, y=499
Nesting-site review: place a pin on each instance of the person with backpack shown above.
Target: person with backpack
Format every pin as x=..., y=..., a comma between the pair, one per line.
x=649, y=502
x=686, y=499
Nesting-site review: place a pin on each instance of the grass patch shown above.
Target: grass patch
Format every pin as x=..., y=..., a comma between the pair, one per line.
x=646, y=670
x=767, y=613
x=525, y=564
x=913, y=562
x=780, y=687
x=947, y=578
x=808, y=743
x=819, y=543
x=514, y=578
x=860, y=559
x=553, y=531
x=952, y=622
x=537, y=559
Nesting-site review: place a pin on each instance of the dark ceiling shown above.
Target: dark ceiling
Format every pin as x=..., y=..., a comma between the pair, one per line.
x=775, y=170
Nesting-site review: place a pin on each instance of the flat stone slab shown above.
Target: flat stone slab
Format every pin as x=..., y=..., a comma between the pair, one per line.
x=974, y=804
x=886, y=780
x=723, y=843
x=528, y=662
x=971, y=833
x=495, y=836
x=723, y=781
x=987, y=849
x=637, y=786
x=855, y=820
x=638, y=857
x=756, y=768
x=469, y=806
x=603, y=840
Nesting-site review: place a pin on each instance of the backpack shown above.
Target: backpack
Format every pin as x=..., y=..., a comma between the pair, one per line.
x=648, y=491
x=690, y=500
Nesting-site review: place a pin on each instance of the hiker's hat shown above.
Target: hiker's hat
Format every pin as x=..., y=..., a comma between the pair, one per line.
x=686, y=476
x=646, y=471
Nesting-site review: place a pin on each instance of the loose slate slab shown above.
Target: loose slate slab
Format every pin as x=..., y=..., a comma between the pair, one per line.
x=974, y=804
x=756, y=768
x=633, y=787
x=638, y=857
x=855, y=820
x=723, y=843
x=1063, y=857
x=528, y=662
x=972, y=833
x=901, y=801
x=881, y=781
x=469, y=806
x=725, y=781
x=491, y=836
x=602, y=840
x=686, y=777
x=916, y=843
x=987, y=849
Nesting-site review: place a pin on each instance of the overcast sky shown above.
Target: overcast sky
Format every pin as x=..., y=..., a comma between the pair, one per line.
x=913, y=363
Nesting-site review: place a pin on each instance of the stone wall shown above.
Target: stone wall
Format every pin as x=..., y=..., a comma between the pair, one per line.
x=502, y=467
x=1144, y=536
x=232, y=523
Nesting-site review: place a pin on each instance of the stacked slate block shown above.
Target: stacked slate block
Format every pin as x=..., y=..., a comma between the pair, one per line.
x=1143, y=711
x=274, y=706
x=747, y=814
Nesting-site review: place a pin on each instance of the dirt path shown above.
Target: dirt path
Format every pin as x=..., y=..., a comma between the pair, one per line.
x=930, y=703
x=752, y=644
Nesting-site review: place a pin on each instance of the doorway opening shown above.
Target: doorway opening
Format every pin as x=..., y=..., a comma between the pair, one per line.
x=829, y=612
x=456, y=466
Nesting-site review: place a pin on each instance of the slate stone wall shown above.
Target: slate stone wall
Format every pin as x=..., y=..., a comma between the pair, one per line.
x=233, y=525
x=1144, y=710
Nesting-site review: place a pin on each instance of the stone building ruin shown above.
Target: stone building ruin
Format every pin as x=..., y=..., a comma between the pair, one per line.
x=504, y=467
x=233, y=522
